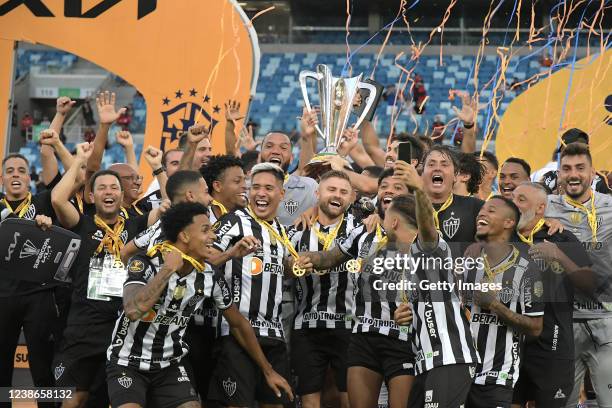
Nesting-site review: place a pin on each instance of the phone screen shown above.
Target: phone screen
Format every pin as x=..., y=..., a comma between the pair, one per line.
x=404, y=152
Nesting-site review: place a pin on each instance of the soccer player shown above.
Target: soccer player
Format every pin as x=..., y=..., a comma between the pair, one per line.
x=324, y=299
x=163, y=289
x=500, y=318
x=446, y=355
x=227, y=185
x=513, y=172
x=256, y=282
x=92, y=314
x=379, y=348
x=588, y=215
x=564, y=264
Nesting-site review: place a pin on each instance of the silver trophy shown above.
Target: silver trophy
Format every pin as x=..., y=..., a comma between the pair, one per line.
x=336, y=98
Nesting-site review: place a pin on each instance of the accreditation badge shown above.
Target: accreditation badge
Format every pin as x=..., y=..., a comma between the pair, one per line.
x=114, y=275
x=94, y=280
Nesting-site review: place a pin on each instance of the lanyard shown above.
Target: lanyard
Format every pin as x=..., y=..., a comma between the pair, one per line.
x=501, y=268
x=22, y=208
x=112, y=237
x=446, y=204
x=536, y=228
x=79, y=201
x=328, y=239
x=166, y=246
x=220, y=206
x=591, y=214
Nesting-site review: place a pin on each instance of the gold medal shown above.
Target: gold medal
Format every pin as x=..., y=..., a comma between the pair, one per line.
x=178, y=293
x=353, y=265
x=298, y=271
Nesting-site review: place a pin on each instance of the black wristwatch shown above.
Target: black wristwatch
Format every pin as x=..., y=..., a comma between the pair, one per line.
x=159, y=171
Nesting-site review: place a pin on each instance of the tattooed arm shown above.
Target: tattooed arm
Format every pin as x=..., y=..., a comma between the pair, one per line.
x=526, y=324
x=325, y=259
x=139, y=299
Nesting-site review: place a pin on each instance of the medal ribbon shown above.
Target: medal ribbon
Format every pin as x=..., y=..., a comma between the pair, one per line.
x=491, y=272
x=79, y=201
x=220, y=206
x=446, y=204
x=166, y=246
x=112, y=237
x=536, y=228
x=328, y=239
x=22, y=208
x=591, y=214
x=284, y=239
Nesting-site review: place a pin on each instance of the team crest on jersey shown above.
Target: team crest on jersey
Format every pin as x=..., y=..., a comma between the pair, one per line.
x=451, y=225
x=291, y=206
x=538, y=288
x=575, y=218
x=506, y=294
x=125, y=381
x=58, y=371
x=229, y=387
x=136, y=266
x=30, y=213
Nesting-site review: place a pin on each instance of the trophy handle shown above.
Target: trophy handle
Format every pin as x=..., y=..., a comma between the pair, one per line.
x=304, y=75
x=371, y=100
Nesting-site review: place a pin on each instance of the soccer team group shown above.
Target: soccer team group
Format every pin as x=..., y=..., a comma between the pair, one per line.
x=238, y=284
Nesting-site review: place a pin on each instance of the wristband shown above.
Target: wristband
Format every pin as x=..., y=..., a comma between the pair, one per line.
x=468, y=125
x=159, y=171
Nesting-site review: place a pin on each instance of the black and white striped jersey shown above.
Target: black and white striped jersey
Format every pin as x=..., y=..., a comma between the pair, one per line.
x=156, y=340
x=500, y=346
x=441, y=330
x=256, y=280
x=149, y=237
x=326, y=300
x=374, y=304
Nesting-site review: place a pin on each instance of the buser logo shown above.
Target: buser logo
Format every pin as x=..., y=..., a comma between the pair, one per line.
x=74, y=8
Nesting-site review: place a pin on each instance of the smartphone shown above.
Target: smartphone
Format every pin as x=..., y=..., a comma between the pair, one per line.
x=404, y=152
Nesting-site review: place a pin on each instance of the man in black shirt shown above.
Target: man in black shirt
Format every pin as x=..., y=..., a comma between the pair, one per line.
x=98, y=275
x=454, y=215
x=25, y=304
x=565, y=265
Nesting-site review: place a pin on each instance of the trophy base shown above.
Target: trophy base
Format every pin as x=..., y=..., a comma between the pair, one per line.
x=318, y=165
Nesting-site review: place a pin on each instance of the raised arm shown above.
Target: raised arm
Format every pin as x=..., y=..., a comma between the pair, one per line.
x=154, y=157
x=67, y=214
x=125, y=140
x=48, y=160
x=64, y=104
x=371, y=143
x=139, y=299
x=105, y=102
x=308, y=137
x=365, y=184
x=467, y=115
x=428, y=235
x=195, y=135
x=232, y=115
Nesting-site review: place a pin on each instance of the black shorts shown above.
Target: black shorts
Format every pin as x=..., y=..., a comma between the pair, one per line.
x=312, y=352
x=201, y=341
x=238, y=381
x=442, y=387
x=168, y=387
x=386, y=355
x=488, y=396
x=548, y=391
x=81, y=361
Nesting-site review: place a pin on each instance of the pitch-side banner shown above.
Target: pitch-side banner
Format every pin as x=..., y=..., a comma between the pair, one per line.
x=186, y=57
x=582, y=98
